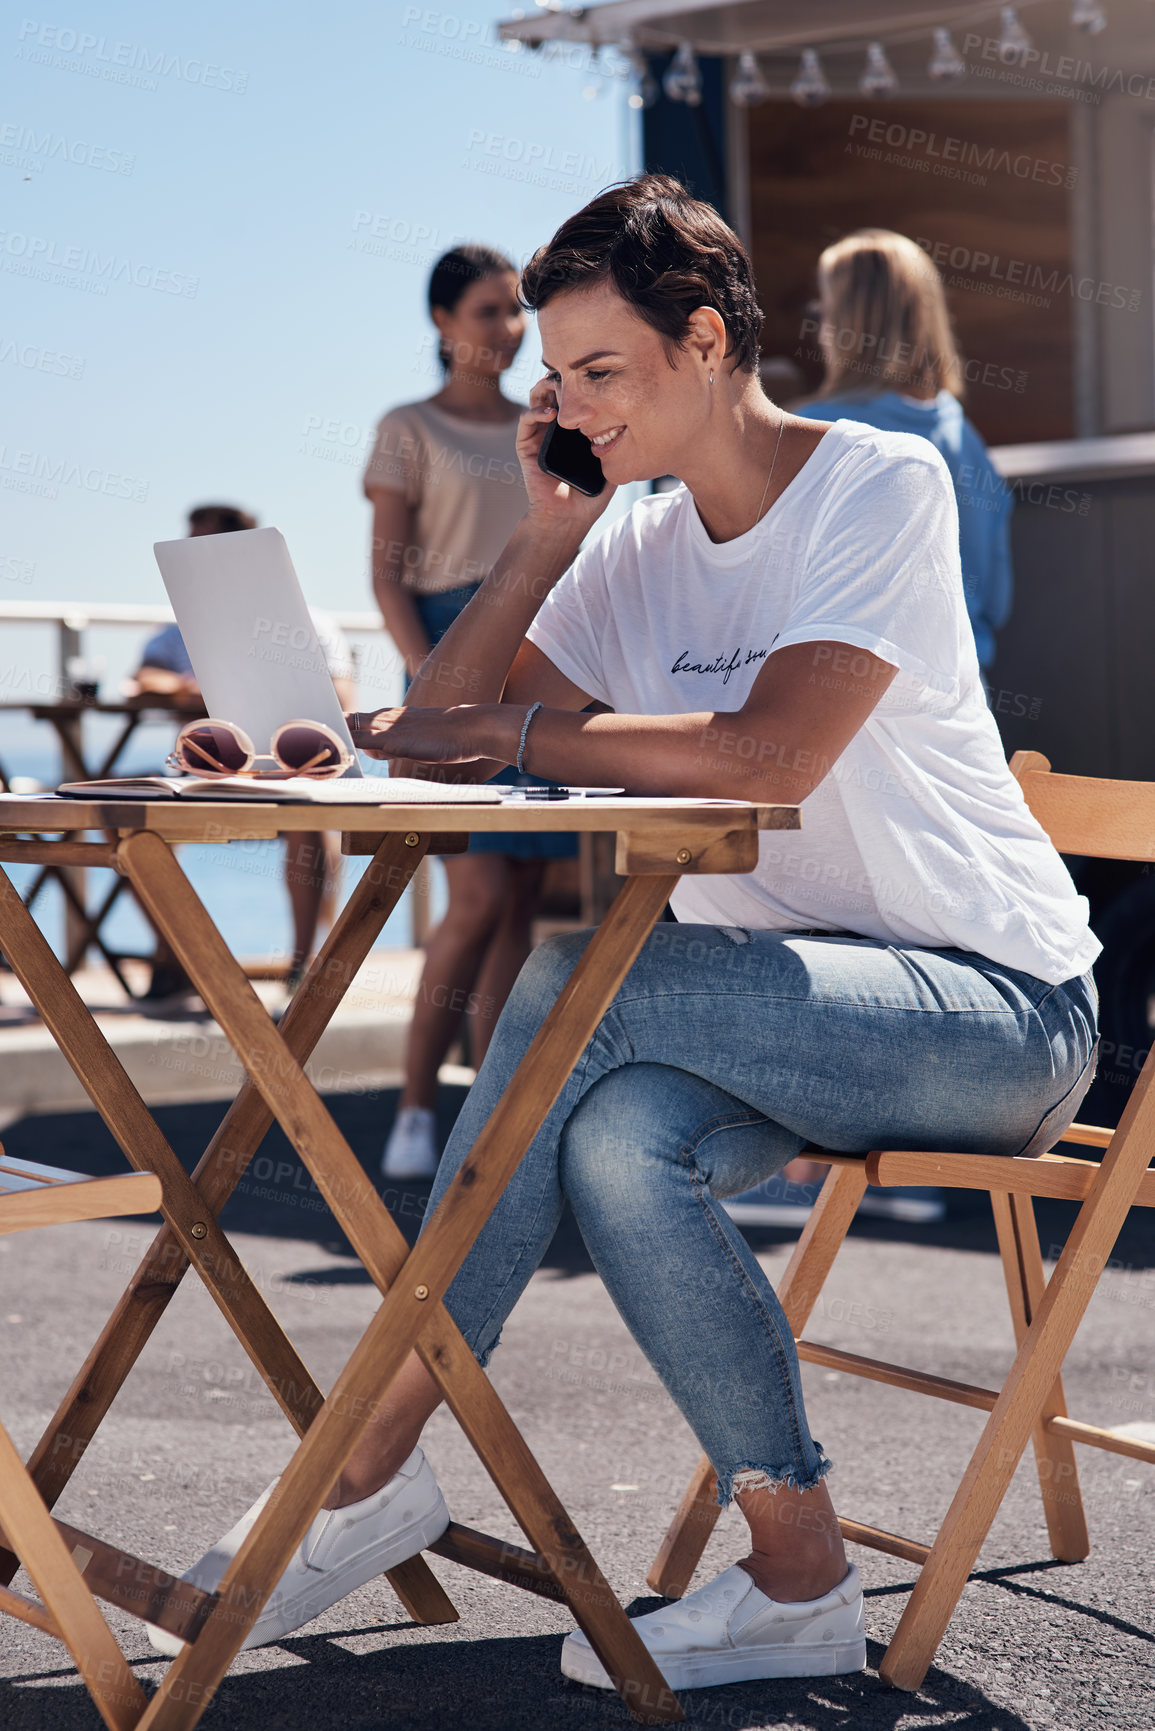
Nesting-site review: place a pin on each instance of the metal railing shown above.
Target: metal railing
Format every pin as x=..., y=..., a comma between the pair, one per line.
x=73, y=619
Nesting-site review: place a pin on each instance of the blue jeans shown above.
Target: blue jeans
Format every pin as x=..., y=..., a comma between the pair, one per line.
x=724, y=1053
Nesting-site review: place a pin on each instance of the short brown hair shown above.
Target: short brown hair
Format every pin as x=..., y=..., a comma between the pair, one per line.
x=666, y=254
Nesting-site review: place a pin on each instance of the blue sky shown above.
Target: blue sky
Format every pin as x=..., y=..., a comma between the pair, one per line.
x=216, y=232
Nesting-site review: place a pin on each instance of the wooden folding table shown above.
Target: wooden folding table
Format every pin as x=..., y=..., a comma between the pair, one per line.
x=84, y=925
x=657, y=841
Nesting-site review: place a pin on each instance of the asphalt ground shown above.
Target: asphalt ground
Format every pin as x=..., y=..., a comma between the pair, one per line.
x=194, y=1437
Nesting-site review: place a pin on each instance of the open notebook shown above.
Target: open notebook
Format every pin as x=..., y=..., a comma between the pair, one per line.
x=293, y=789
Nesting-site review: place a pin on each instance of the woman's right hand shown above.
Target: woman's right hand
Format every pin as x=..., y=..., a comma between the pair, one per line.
x=551, y=501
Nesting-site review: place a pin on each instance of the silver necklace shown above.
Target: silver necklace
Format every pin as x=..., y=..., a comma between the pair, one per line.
x=770, y=476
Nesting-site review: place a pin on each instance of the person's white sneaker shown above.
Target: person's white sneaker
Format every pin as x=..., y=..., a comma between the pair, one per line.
x=411, y=1151
x=342, y=1549
x=731, y=1632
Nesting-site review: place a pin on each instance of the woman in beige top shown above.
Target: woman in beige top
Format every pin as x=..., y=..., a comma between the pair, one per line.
x=447, y=493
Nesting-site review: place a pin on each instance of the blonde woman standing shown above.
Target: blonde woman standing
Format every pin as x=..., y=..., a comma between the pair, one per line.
x=892, y=363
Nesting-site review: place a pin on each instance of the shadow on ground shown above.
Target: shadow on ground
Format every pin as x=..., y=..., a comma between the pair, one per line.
x=514, y=1685
x=277, y=1196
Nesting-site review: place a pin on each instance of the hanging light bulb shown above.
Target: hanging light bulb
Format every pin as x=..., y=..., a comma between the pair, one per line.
x=647, y=92
x=810, y=88
x=1014, y=41
x=683, y=81
x=946, y=62
x=749, y=86
x=1089, y=17
x=878, y=77
x=599, y=67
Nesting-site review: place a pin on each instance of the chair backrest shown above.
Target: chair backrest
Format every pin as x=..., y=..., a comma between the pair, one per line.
x=1084, y=815
x=1098, y=819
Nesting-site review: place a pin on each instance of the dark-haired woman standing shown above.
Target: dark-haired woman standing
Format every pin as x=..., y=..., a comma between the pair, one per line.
x=446, y=489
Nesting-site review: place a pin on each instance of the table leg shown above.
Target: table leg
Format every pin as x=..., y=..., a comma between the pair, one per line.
x=542, y=1517
x=408, y=1303
x=70, y=732
x=136, y=1131
x=222, y=1166
x=112, y=756
x=87, y=923
x=115, y=1098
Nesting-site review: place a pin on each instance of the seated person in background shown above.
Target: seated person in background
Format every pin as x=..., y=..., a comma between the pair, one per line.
x=311, y=856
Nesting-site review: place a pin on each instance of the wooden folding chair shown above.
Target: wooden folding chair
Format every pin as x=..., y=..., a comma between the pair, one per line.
x=1103, y=819
x=68, y=1566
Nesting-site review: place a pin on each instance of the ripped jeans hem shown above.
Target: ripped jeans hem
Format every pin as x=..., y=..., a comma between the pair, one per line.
x=754, y=1475
x=483, y=1354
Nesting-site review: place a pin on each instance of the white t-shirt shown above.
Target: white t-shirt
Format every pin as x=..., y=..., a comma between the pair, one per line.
x=918, y=833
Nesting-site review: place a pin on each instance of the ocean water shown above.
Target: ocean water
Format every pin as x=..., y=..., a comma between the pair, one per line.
x=241, y=884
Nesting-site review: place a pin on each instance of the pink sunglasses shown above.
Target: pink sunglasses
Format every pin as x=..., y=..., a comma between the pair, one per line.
x=212, y=747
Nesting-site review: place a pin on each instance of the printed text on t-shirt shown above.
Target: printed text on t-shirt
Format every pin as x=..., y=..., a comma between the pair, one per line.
x=720, y=664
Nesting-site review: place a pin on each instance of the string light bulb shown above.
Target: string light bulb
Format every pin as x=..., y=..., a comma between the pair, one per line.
x=683, y=81
x=1014, y=42
x=749, y=86
x=946, y=62
x=878, y=76
x=647, y=92
x=1089, y=17
x=810, y=88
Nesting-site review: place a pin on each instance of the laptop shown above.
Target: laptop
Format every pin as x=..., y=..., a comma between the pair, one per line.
x=249, y=634
x=257, y=659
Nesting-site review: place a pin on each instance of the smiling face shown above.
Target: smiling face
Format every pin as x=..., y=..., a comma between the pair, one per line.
x=615, y=383
x=483, y=332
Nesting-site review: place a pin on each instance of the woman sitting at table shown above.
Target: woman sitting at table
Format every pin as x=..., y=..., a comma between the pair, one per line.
x=909, y=970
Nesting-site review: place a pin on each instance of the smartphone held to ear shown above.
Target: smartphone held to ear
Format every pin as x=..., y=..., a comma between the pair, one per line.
x=568, y=456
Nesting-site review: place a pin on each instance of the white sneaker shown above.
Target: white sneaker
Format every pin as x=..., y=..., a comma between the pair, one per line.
x=411, y=1151
x=731, y=1632
x=342, y=1549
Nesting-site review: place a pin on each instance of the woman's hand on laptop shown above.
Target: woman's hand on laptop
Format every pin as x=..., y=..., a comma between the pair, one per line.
x=413, y=739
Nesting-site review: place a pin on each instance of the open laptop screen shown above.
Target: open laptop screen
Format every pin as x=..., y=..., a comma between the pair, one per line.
x=248, y=632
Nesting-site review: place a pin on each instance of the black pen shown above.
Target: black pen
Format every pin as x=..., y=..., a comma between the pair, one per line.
x=560, y=792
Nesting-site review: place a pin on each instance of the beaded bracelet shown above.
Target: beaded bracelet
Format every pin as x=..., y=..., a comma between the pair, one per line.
x=529, y=715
